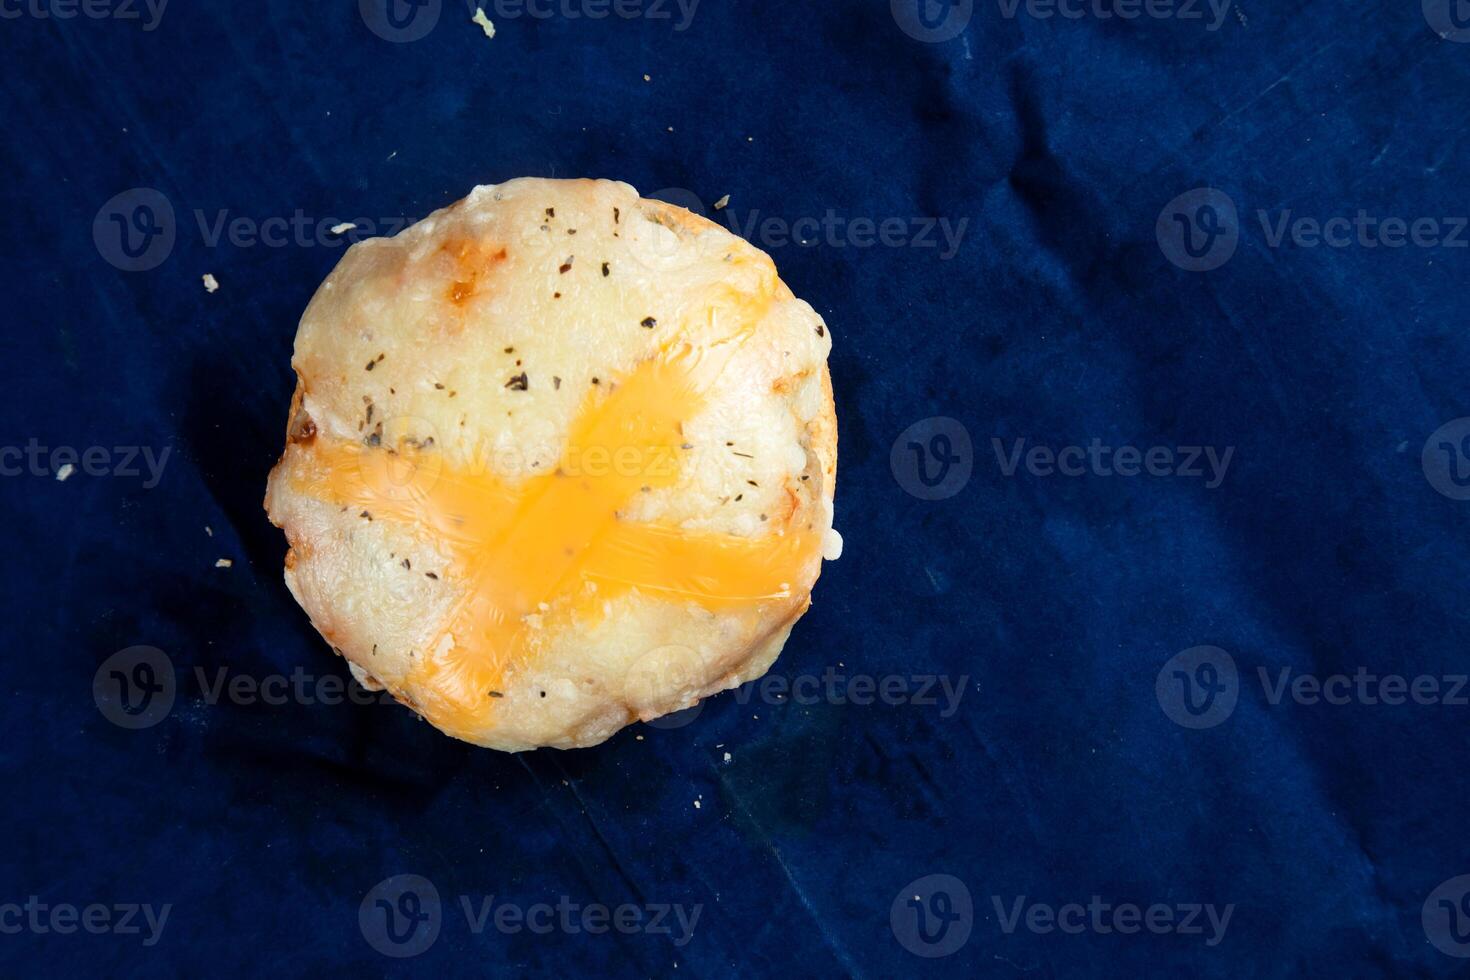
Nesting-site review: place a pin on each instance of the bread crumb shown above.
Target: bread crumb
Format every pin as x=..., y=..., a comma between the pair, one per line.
x=727, y=757
x=720, y=204
x=64, y=471
x=224, y=563
x=343, y=228
x=484, y=22
x=647, y=78
x=831, y=545
x=696, y=804
x=210, y=283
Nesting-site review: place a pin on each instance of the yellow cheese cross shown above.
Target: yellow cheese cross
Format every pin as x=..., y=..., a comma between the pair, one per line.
x=555, y=544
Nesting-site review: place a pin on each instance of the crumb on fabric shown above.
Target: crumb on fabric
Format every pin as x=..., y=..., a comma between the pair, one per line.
x=343, y=228
x=210, y=283
x=224, y=563
x=484, y=22
x=720, y=204
x=64, y=471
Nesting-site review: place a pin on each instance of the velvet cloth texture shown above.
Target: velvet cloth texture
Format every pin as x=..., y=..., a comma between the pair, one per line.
x=1113, y=386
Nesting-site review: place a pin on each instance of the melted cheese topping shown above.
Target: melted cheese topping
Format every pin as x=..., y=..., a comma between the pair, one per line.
x=554, y=546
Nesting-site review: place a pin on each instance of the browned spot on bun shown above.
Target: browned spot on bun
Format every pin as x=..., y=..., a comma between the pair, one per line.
x=790, y=505
x=303, y=428
x=471, y=261
x=787, y=383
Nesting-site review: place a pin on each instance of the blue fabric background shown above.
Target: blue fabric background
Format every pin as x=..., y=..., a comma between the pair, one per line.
x=1059, y=599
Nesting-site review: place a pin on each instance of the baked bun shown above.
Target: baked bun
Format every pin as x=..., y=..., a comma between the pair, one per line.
x=559, y=458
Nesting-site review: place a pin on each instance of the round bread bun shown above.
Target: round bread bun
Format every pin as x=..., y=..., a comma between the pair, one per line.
x=559, y=458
